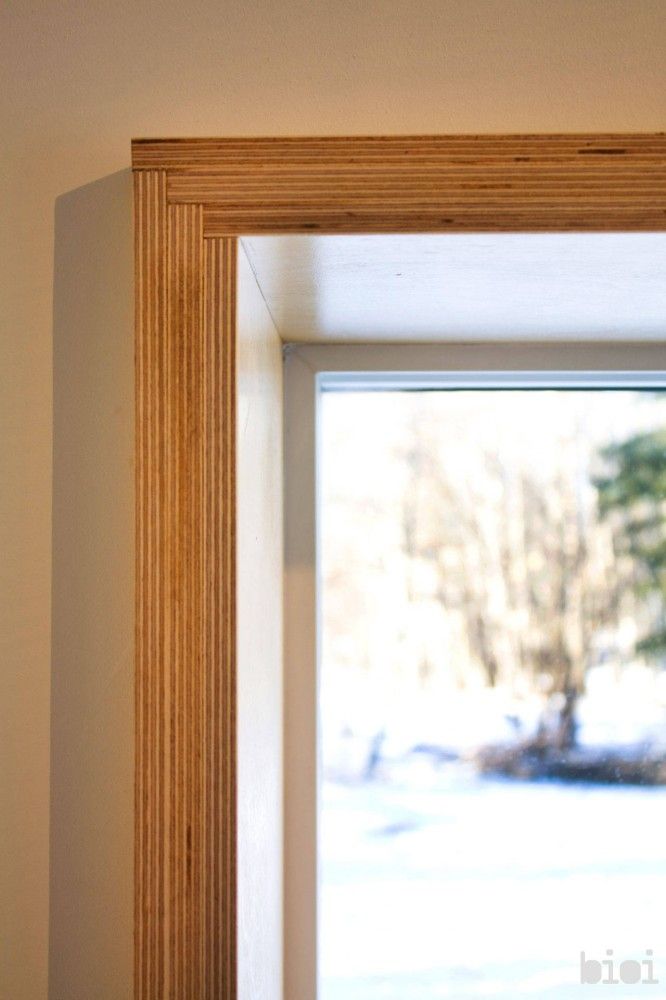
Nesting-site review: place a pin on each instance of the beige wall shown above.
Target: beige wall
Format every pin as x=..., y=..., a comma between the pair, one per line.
x=81, y=78
x=91, y=835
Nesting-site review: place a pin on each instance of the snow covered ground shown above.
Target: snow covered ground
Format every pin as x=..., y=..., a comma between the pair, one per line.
x=462, y=886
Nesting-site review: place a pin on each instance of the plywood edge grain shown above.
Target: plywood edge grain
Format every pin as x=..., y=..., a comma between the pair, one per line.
x=185, y=791
x=483, y=183
x=209, y=153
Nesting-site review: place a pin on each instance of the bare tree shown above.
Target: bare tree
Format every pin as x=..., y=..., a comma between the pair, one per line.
x=521, y=558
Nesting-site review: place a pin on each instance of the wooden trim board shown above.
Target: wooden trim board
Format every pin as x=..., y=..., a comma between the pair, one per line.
x=193, y=197
x=420, y=184
x=185, y=593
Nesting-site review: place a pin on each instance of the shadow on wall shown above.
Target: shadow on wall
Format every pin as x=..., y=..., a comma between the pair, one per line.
x=92, y=692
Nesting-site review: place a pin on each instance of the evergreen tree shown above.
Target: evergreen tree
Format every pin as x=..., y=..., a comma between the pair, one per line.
x=635, y=492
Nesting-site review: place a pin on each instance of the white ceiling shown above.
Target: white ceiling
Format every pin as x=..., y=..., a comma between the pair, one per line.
x=606, y=286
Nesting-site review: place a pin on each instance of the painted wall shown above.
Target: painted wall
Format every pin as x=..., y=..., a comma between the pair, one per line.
x=79, y=79
x=92, y=726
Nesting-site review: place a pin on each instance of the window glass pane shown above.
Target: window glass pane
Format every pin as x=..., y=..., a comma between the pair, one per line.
x=493, y=699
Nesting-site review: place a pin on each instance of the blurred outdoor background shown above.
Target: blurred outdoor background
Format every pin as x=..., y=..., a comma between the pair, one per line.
x=493, y=692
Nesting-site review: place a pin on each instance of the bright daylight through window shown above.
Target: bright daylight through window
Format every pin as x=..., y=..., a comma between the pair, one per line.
x=492, y=693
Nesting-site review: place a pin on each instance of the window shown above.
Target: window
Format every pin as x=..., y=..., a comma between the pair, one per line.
x=394, y=954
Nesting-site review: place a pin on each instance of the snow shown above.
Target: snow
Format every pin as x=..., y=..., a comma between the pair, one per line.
x=479, y=887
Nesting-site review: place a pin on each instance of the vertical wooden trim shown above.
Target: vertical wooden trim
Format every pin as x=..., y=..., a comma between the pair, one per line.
x=185, y=592
x=220, y=555
x=152, y=592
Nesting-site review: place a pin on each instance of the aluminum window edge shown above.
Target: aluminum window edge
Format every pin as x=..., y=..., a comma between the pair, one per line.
x=353, y=381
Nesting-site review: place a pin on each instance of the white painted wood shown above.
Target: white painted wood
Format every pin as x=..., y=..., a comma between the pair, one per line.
x=511, y=286
x=475, y=365
x=301, y=753
x=259, y=594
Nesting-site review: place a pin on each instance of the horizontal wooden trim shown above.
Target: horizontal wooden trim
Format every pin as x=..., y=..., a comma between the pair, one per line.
x=528, y=183
x=218, y=223
x=191, y=155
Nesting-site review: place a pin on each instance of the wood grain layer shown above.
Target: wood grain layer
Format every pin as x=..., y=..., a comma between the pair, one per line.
x=220, y=617
x=597, y=220
x=185, y=587
x=152, y=598
x=194, y=155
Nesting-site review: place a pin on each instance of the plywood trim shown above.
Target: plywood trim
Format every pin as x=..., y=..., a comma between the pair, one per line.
x=153, y=603
x=195, y=155
x=520, y=183
x=185, y=594
x=613, y=218
x=219, y=619
x=193, y=198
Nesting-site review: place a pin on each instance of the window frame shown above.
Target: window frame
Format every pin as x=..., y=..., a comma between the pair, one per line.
x=310, y=370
